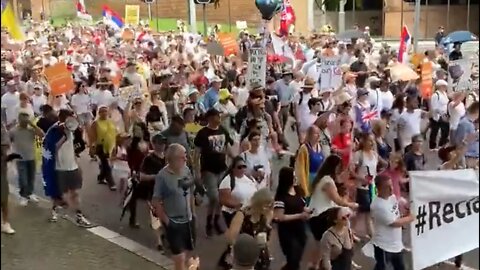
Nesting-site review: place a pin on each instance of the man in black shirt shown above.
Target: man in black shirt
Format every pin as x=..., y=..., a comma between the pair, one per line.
x=359, y=65
x=212, y=143
x=151, y=165
x=456, y=54
x=439, y=35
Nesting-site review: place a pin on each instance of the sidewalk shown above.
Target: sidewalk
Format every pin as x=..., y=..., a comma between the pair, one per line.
x=41, y=245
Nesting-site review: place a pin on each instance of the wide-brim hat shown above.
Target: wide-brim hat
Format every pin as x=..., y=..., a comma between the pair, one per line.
x=342, y=98
x=308, y=83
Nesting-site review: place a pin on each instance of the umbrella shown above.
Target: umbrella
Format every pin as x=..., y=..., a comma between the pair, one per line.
x=459, y=36
x=402, y=72
x=349, y=34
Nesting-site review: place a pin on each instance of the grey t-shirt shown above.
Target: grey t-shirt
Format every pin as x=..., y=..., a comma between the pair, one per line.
x=167, y=189
x=173, y=138
x=23, y=142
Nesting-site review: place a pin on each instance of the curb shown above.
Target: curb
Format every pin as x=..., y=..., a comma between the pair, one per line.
x=125, y=243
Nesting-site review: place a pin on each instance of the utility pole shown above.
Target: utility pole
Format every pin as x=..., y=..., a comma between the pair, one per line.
x=192, y=16
x=204, y=8
x=341, y=16
x=417, y=26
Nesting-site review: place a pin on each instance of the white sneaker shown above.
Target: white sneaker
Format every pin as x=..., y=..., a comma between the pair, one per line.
x=23, y=201
x=6, y=228
x=33, y=198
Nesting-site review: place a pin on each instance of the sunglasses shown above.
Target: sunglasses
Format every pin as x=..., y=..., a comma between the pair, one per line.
x=346, y=217
x=241, y=167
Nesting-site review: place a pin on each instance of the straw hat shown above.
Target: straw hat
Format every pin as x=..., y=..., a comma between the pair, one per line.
x=308, y=83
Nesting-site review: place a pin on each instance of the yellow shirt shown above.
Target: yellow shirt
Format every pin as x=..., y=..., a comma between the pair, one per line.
x=106, y=134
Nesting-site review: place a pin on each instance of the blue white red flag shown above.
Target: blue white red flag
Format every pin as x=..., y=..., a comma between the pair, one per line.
x=112, y=18
x=405, y=41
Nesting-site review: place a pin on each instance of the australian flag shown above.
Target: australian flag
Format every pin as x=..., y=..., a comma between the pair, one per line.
x=363, y=117
x=53, y=136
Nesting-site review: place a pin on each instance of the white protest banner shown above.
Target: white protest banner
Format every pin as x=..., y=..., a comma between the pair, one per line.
x=460, y=74
x=330, y=73
x=257, y=67
x=446, y=205
x=241, y=25
x=129, y=93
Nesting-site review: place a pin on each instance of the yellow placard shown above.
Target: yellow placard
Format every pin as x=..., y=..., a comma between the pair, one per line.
x=132, y=14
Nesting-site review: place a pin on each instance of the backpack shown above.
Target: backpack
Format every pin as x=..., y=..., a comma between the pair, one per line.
x=301, y=98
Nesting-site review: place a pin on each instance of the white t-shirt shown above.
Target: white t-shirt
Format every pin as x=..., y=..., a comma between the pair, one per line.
x=375, y=100
x=302, y=107
x=387, y=100
x=102, y=98
x=307, y=121
x=81, y=103
x=319, y=201
x=409, y=125
x=10, y=102
x=243, y=190
x=456, y=113
x=366, y=164
x=439, y=104
x=259, y=158
x=65, y=160
x=28, y=110
x=385, y=212
x=38, y=101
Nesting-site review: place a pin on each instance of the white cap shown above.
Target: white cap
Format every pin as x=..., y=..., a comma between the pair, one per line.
x=441, y=83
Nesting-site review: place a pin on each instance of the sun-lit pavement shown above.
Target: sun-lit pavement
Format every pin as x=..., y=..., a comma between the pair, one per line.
x=39, y=245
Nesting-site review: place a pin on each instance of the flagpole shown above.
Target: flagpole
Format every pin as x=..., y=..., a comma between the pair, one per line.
x=417, y=26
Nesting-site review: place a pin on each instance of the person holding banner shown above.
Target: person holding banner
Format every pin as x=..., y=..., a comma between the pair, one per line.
x=388, y=223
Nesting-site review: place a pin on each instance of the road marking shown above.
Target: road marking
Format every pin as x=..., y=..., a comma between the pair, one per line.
x=136, y=248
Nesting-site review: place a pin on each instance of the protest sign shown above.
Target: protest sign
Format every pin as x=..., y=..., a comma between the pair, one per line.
x=215, y=48
x=426, y=85
x=446, y=205
x=330, y=73
x=132, y=14
x=229, y=44
x=128, y=94
x=460, y=74
x=59, y=79
x=241, y=25
x=257, y=67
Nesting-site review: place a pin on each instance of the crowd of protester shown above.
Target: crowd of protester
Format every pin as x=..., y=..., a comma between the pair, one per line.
x=198, y=131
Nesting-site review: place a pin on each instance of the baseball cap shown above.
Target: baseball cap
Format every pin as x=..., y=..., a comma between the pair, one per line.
x=212, y=112
x=245, y=251
x=441, y=83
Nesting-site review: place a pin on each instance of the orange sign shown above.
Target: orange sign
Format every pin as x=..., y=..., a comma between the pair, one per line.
x=127, y=35
x=426, y=85
x=230, y=45
x=116, y=79
x=59, y=79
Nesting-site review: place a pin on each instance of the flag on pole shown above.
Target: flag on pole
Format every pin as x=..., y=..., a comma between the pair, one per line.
x=112, y=18
x=9, y=21
x=405, y=41
x=287, y=18
x=82, y=11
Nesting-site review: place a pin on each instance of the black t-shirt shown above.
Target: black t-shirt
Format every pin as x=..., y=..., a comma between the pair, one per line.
x=291, y=205
x=414, y=162
x=152, y=164
x=44, y=123
x=213, y=144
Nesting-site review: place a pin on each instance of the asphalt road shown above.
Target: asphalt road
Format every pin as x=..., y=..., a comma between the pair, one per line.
x=102, y=207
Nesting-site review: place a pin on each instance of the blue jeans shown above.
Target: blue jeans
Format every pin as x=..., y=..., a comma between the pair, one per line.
x=26, y=177
x=384, y=258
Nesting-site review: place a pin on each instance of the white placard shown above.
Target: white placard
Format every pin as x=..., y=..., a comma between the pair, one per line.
x=257, y=67
x=241, y=25
x=330, y=73
x=446, y=205
x=459, y=74
x=129, y=93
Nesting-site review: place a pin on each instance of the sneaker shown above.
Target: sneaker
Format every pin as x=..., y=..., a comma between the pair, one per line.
x=82, y=221
x=54, y=217
x=7, y=229
x=33, y=198
x=23, y=201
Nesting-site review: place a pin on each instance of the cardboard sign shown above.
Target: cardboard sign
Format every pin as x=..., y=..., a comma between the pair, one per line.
x=257, y=67
x=229, y=44
x=426, y=85
x=127, y=35
x=132, y=14
x=330, y=73
x=129, y=93
x=215, y=48
x=59, y=79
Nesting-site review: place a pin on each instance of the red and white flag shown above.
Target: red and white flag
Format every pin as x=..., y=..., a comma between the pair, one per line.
x=287, y=18
x=405, y=41
x=82, y=11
